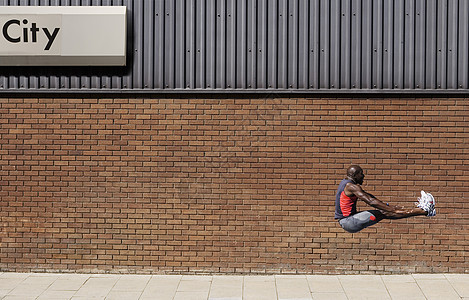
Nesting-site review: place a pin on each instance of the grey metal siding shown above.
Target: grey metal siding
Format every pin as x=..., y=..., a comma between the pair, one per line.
x=273, y=45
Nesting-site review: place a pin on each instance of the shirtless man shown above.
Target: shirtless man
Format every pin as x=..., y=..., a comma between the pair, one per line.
x=350, y=191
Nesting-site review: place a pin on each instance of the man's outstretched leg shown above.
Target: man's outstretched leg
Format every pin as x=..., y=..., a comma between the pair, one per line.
x=425, y=207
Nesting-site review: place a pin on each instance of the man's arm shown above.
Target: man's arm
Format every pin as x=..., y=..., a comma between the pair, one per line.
x=368, y=198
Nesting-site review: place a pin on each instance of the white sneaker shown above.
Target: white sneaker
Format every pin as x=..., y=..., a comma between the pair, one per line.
x=427, y=203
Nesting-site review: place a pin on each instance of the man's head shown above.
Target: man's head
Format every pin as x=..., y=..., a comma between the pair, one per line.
x=355, y=173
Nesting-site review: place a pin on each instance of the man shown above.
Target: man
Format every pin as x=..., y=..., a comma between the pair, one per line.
x=350, y=191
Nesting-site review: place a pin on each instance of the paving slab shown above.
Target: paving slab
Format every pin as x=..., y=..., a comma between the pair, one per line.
x=9, y=283
x=329, y=296
x=3, y=293
x=226, y=288
x=270, y=287
x=259, y=288
x=97, y=286
x=88, y=298
x=403, y=287
x=191, y=296
x=460, y=283
x=292, y=287
x=124, y=295
x=21, y=297
x=16, y=275
x=325, y=287
x=162, y=287
x=68, y=282
x=436, y=287
x=33, y=286
x=193, y=287
x=324, y=284
x=130, y=283
x=56, y=295
x=198, y=284
x=364, y=287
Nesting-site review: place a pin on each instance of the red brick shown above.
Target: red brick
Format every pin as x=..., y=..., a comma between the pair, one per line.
x=227, y=185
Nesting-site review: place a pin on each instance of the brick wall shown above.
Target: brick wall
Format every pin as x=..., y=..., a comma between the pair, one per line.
x=241, y=185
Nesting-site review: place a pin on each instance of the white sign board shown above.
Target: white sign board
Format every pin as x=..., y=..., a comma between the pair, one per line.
x=63, y=35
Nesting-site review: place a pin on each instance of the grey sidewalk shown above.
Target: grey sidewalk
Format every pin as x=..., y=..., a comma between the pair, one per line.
x=26, y=286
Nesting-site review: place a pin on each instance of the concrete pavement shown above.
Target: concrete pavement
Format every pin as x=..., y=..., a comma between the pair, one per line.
x=25, y=286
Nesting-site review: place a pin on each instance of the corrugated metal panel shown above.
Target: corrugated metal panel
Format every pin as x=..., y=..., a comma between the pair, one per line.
x=266, y=45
